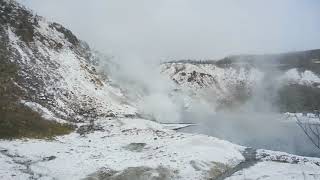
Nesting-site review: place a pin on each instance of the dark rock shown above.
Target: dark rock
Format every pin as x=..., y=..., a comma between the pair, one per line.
x=89, y=128
x=111, y=115
x=49, y=158
x=135, y=147
x=133, y=173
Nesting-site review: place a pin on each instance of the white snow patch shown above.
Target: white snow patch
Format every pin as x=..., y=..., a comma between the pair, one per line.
x=278, y=171
x=303, y=78
x=16, y=44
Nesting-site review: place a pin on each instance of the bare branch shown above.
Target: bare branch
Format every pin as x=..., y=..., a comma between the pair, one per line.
x=311, y=130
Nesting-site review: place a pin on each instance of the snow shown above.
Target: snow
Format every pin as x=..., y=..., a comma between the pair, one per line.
x=279, y=165
x=220, y=78
x=44, y=112
x=199, y=81
x=10, y=170
x=66, y=75
x=14, y=42
x=278, y=171
x=283, y=157
x=306, y=77
x=78, y=156
x=174, y=126
x=50, y=33
x=190, y=156
x=78, y=79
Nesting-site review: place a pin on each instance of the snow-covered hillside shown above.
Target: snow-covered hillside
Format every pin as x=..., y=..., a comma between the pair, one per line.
x=56, y=70
x=209, y=80
x=200, y=76
x=58, y=75
x=219, y=82
x=307, y=77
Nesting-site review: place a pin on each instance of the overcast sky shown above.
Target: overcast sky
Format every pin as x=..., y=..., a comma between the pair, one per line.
x=176, y=29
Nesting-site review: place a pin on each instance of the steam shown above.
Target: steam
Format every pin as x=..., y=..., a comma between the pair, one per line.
x=256, y=123
x=139, y=34
x=144, y=85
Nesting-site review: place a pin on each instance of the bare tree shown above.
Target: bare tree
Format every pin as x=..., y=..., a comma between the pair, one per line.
x=311, y=128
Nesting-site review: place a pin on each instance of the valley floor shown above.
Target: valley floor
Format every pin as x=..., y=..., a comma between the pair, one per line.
x=141, y=149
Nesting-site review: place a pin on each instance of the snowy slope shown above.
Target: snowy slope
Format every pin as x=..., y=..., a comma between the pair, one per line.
x=57, y=70
x=211, y=76
x=211, y=85
x=219, y=80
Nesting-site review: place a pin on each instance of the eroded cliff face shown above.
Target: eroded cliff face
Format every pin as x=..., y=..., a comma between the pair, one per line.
x=216, y=85
x=283, y=79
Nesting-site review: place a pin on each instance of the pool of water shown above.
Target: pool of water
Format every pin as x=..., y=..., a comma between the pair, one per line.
x=257, y=130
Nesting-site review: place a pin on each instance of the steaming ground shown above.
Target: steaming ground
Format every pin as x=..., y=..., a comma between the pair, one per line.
x=258, y=130
x=253, y=116
x=256, y=123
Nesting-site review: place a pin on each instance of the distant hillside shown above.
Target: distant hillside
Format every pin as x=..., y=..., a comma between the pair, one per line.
x=309, y=59
x=290, y=80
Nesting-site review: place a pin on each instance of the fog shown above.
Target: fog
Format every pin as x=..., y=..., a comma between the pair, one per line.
x=257, y=123
x=138, y=35
x=176, y=29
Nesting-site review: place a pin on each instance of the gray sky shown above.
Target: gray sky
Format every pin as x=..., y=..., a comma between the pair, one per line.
x=175, y=29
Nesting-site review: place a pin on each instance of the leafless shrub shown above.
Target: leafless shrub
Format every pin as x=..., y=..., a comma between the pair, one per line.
x=311, y=128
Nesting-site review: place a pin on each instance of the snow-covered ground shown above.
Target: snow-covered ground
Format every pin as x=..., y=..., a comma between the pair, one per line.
x=278, y=166
x=278, y=171
x=128, y=143
x=74, y=156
